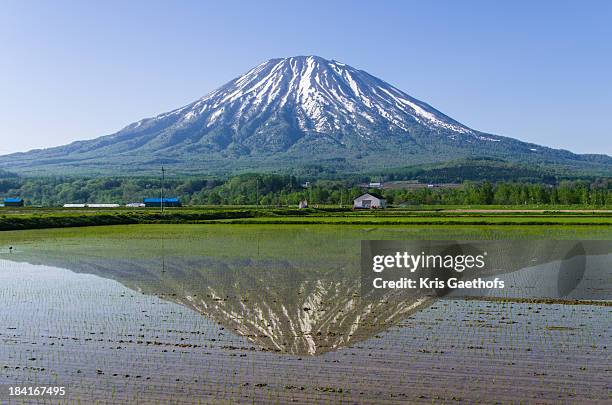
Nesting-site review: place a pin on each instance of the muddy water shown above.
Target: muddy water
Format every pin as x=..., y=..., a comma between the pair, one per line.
x=115, y=323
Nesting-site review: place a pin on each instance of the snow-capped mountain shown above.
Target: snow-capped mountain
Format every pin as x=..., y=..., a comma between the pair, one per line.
x=322, y=96
x=287, y=112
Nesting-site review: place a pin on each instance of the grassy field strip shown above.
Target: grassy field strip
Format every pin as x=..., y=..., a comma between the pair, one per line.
x=29, y=219
x=418, y=221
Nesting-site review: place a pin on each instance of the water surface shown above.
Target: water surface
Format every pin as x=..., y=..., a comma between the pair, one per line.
x=188, y=314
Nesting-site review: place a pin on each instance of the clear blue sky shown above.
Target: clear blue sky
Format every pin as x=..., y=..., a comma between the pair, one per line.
x=539, y=71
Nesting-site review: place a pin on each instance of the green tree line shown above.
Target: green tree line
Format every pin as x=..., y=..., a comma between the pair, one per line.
x=277, y=189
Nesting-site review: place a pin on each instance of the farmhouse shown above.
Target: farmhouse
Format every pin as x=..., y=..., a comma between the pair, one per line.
x=168, y=202
x=13, y=202
x=368, y=201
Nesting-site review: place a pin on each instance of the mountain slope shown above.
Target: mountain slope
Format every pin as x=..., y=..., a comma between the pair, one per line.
x=293, y=111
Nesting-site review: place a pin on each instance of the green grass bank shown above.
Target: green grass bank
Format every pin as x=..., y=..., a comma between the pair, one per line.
x=28, y=218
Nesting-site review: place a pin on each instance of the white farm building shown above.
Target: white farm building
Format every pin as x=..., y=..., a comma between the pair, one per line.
x=368, y=201
x=91, y=205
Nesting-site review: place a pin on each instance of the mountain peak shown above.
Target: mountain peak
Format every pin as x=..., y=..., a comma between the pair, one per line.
x=301, y=58
x=324, y=96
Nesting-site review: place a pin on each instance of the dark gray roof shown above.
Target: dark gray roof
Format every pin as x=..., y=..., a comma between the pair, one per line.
x=380, y=197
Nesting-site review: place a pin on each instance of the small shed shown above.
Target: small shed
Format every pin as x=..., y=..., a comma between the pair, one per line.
x=369, y=201
x=157, y=202
x=13, y=202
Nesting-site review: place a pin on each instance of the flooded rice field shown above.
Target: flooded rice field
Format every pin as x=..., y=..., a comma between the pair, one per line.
x=269, y=314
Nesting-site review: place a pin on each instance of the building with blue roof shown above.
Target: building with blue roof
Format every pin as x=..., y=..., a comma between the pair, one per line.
x=168, y=202
x=13, y=202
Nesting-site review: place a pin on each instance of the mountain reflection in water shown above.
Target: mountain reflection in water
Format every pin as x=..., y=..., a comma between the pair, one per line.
x=307, y=303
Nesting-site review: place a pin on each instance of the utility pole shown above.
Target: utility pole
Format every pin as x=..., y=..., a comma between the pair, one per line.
x=161, y=200
x=257, y=191
x=310, y=194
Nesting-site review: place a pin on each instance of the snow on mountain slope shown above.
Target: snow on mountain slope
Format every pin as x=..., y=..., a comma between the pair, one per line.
x=325, y=96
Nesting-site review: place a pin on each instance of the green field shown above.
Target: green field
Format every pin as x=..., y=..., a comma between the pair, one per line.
x=263, y=239
x=31, y=218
